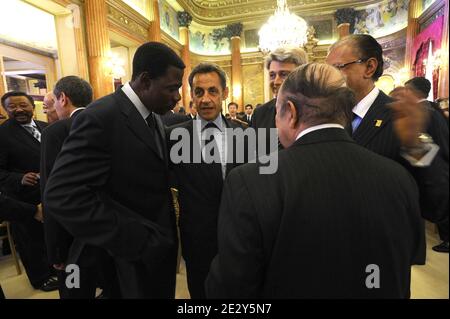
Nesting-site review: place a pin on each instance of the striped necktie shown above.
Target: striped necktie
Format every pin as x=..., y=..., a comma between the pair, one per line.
x=34, y=131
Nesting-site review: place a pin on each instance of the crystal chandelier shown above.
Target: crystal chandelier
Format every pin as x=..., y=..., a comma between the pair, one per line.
x=283, y=29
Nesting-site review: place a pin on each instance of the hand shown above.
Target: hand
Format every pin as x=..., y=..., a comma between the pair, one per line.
x=410, y=117
x=59, y=266
x=39, y=216
x=30, y=179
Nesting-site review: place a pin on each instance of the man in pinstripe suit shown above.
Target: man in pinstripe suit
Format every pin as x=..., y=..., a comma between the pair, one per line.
x=403, y=131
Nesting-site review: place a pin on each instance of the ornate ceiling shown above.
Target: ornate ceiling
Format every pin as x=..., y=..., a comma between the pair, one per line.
x=215, y=12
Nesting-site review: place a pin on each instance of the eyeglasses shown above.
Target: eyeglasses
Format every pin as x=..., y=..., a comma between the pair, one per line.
x=343, y=65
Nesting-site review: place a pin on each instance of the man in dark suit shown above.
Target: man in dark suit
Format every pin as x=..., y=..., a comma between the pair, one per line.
x=344, y=220
x=200, y=183
x=279, y=64
x=109, y=186
x=12, y=210
x=72, y=95
x=248, y=114
x=20, y=142
x=421, y=87
x=403, y=131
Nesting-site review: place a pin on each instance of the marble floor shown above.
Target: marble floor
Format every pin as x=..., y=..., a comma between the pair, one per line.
x=428, y=282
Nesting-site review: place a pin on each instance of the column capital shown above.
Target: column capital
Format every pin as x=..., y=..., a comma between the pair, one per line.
x=184, y=19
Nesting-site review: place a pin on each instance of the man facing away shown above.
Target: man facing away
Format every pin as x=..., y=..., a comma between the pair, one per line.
x=335, y=220
x=72, y=95
x=109, y=186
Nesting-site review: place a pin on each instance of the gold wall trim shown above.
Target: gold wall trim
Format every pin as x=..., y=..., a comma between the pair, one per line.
x=217, y=12
x=122, y=17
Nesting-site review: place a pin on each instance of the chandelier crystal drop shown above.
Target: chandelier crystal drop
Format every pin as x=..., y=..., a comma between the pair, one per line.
x=283, y=29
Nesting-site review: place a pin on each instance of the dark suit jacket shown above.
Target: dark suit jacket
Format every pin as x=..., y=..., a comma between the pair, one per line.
x=19, y=154
x=200, y=188
x=57, y=238
x=109, y=188
x=433, y=181
x=170, y=118
x=264, y=118
x=14, y=210
x=311, y=229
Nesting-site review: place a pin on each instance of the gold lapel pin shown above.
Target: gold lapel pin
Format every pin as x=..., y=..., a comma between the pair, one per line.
x=378, y=123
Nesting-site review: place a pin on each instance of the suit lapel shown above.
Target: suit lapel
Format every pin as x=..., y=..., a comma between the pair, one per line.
x=162, y=137
x=136, y=123
x=24, y=136
x=374, y=121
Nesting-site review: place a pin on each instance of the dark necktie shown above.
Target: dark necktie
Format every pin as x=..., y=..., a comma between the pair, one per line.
x=151, y=122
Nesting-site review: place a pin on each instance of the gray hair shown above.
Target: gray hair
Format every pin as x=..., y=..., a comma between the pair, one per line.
x=319, y=94
x=296, y=56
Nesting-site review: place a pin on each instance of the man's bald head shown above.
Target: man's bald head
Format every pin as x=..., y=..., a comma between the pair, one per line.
x=49, y=107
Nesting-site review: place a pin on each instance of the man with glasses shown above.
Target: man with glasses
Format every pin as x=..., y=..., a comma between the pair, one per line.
x=399, y=129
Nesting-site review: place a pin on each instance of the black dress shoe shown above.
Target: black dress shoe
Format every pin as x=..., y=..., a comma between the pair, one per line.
x=442, y=247
x=49, y=285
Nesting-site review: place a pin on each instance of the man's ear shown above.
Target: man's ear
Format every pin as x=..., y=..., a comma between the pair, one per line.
x=371, y=68
x=145, y=80
x=292, y=113
x=226, y=91
x=64, y=99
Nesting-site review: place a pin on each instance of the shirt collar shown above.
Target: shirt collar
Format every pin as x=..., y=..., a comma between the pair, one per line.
x=129, y=92
x=31, y=124
x=218, y=122
x=364, y=105
x=318, y=127
x=77, y=109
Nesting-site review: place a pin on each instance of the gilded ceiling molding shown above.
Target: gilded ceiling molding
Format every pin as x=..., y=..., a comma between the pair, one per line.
x=215, y=12
x=122, y=16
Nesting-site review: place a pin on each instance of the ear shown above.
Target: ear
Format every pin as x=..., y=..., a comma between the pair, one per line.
x=292, y=113
x=64, y=99
x=225, y=93
x=371, y=68
x=145, y=80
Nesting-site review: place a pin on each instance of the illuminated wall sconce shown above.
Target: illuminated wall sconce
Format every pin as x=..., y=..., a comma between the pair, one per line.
x=401, y=77
x=434, y=60
x=237, y=91
x=115, y=66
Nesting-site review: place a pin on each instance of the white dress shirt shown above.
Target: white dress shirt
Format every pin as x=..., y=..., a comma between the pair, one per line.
x=318, y=127
x=129, y=92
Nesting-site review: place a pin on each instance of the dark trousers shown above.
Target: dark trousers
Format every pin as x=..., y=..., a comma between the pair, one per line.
x=88, y=284
x=443, y=230
x=2, y=295
x=30, y=242
x=196, y=277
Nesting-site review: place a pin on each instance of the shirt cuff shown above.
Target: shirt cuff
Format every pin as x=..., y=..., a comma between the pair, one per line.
x=426, y=160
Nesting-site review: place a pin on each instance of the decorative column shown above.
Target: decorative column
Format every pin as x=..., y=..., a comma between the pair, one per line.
x=345, y=19
x=414, y=11
x=99, y=47
x=233, y=32
x=154, y=31
x=184, y=20
x=443, y=72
